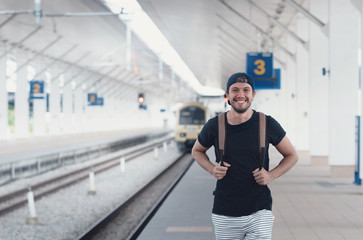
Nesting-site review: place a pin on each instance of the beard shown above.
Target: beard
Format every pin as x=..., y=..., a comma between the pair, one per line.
x=241, y=110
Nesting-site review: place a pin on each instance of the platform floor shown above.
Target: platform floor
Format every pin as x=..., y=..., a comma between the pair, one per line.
x=14, y=148
x=307, y=204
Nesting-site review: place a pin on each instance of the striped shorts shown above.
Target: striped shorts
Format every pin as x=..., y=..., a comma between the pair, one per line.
x=252, y=227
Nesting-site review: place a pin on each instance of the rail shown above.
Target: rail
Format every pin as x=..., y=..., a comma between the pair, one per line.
x=25, y=166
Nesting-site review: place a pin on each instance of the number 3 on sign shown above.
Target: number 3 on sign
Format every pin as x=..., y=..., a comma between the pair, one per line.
x=260, y=67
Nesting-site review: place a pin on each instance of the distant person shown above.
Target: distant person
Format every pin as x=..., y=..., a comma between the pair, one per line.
x=242, y=200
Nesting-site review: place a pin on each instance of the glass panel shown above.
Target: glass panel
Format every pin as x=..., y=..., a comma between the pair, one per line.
x=192, y=116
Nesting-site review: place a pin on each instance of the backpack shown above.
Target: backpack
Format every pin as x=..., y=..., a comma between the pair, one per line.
x=262, y=136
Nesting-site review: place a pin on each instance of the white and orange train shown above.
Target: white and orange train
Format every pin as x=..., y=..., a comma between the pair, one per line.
x=190, y=118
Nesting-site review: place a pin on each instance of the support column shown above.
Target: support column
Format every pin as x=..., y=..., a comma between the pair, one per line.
x=67, y=105
x=128, y=45
x=291, y=94
x=302, y=91
x=54, y=103
x=90, y=122
x=161, y=72
x=360, y=6
x=39, y=108
x=3, y=100
x=343, y=86
x=21, y=99
x=79, y=101
x=319, y=86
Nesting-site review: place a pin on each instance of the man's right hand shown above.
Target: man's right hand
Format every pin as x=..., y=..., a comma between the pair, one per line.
x=220, y=171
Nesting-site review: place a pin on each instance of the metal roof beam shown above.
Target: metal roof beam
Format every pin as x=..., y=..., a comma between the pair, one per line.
x=55, y=61
x=306, y=13
x=101, y=78
x=107, y=88
x=230, y=52
x=233, y=38
x=230, y=62
x=22, y=40
x=258, y=29
x=7, y=21
x=118, y=90
x=35, y=56
x=278, y=24
x=80, y=83
x=102, y=88
x=236, y=28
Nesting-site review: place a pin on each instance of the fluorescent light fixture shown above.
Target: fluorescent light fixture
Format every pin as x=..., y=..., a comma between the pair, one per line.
x=146, y=30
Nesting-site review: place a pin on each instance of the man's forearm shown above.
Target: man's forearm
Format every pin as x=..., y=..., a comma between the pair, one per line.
x=203, y=160
x=284, y=166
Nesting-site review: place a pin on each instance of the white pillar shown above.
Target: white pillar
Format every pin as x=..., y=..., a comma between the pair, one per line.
x=92, y=185
x=122, y=165
x=343, y=83
x=21, y=99
x=32, y=219
x=302, y=90
x=67, y=105
x=128, y=44
x=78, y=107
x=3, y=99
x=54, y=103
x=319, y=85
x=360, y=6
x=290, y=92
x=282, y=93
x=39, y=109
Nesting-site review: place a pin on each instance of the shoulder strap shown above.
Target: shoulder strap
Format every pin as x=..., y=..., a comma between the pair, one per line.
x=221, y=134
x=262, y=136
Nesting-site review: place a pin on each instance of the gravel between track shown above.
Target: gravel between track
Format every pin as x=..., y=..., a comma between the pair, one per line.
x=69, y=212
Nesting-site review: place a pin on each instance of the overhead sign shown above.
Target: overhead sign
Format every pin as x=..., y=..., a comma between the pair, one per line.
x=269, y=83
x=100, y=101
x=36, y=89
x=260, y=65
x=260, y=68
x=94, y=100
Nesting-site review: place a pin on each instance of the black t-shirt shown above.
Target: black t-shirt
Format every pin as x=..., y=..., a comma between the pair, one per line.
x=238, y=194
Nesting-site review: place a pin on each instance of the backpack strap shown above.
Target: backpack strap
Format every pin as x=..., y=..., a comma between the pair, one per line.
x=221, y=134
x=262, y=137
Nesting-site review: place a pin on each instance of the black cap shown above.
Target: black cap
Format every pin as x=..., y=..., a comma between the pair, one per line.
x=240, y=77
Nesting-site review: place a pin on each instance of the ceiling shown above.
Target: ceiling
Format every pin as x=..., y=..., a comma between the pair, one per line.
x=211, y=36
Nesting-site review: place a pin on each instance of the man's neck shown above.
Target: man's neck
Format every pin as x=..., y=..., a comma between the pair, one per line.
x=235, y=118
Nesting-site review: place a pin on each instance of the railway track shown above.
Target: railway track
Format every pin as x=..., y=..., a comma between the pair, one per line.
x=127, y=220
x=16, y=199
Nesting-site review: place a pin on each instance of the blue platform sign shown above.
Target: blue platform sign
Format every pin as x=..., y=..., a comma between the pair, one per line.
x=269, y=83
x=100, y=101
x=92, y=99
x=260, y=65
x=36, y=89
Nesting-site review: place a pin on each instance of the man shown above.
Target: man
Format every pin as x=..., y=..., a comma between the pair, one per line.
x=242, y=200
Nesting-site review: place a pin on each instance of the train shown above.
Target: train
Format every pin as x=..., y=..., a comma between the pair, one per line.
x=190, y=118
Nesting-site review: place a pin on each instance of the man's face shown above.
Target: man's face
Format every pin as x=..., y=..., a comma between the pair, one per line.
x=240, y=95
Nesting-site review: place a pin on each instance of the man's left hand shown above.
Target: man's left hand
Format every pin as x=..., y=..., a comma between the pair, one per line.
x=262, y=176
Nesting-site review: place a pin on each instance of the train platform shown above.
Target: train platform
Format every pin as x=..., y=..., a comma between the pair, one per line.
x=307, y=204
x=32, y=146
x=27, y=157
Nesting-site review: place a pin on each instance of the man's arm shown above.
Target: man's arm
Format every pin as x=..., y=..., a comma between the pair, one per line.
x=199, y=154
x=290, y=158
